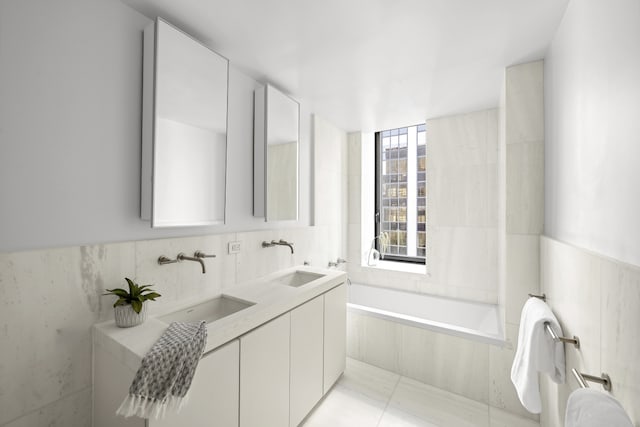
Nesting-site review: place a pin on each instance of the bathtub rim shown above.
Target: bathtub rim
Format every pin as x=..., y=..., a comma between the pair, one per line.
x=419, y=322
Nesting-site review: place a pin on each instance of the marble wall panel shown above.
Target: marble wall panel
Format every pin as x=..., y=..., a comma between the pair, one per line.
x=525, y=187
x=71, y=411
x=450, y=363
x=459, y=140
x=460, y=195
x=525, y=102
x=374, y=341
x=598, y=299
x=45, y=323
x=522, y=273
x=620, y=339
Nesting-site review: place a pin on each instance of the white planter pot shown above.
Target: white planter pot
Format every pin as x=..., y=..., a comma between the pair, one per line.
x=126, y=317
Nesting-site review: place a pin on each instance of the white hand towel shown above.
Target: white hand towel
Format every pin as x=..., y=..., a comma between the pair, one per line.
x=587, y=407
x=537, y=352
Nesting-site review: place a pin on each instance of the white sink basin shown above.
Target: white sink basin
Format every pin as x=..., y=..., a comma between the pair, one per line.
x=298, y=278
x=209, y=311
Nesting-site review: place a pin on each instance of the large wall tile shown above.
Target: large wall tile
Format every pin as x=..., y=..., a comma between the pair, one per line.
x=255, y=261
x=463, y=256
x=597, y=299
x=45, y=319
x=71, y=411
x=522, y=273
x=620, y=343
x=460, y=195
x=458, y=140
x=525, y=187
x=163, y=278
x=525, y=102
x=105, y=267
x=571, y=280
x=450, y=363
x=373, y=341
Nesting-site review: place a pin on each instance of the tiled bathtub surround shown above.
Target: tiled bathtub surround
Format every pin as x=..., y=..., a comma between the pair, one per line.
x=49, y=300
x=469, y=368
x=462, y=234
x=598, y=299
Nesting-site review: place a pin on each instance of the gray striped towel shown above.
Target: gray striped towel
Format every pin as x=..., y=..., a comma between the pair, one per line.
x=166, y=371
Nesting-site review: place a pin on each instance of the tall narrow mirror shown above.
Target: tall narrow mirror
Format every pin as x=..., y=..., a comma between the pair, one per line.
x=184, y=130
x=275, y=155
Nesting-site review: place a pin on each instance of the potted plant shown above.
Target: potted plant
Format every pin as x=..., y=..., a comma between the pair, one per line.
x=130, y=309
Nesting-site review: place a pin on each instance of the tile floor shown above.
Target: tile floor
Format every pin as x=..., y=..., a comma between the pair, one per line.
x=367, y=396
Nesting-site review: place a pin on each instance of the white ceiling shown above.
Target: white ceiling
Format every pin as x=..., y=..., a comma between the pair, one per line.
x=372, y=64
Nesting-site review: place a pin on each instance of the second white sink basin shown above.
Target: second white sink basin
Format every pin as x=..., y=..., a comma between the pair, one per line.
x=298, y=278
x=208, y=311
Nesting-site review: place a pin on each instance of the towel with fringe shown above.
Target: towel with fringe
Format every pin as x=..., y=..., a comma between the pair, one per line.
x=166, y=371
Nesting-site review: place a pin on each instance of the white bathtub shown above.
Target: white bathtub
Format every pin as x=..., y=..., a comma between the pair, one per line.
x=465, y=319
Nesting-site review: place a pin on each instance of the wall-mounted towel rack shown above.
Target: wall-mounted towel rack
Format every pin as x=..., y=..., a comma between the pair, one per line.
x=543, y=297
x=575, y=340
x=582, y=379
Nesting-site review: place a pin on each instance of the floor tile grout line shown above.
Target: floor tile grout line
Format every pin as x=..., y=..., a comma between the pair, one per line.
x=395, y=387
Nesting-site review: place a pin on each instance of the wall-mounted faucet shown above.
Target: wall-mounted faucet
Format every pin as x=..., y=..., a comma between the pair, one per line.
x=200, y=254
x=281, y=242
x=182, y=257
x=337, y=263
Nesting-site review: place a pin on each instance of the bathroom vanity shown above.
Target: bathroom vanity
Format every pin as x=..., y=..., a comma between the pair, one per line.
x=275, y=346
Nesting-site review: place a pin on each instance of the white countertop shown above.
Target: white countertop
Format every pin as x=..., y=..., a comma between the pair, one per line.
x=271, y=299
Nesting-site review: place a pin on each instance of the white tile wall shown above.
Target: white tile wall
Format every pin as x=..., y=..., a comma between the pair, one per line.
x=525, y=103
x=597, y=299
x=525, y=187
x=462, y=209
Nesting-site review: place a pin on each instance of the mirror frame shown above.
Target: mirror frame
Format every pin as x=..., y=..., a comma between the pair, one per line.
x=260, y=155
x=150, y=117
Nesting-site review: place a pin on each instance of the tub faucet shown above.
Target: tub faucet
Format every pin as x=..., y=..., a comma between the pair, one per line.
x=182, y=257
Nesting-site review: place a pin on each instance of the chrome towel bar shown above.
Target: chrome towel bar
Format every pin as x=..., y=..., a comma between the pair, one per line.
x=582, y=379
x=575, y=340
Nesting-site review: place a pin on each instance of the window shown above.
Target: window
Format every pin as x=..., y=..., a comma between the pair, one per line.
x=401, y=193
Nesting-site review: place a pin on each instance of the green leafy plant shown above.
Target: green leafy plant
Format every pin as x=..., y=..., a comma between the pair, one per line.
x=135, y=296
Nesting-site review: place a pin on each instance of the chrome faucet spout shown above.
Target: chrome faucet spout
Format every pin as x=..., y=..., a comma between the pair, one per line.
x=280, y=242
x=182, y=257
x=285, y=243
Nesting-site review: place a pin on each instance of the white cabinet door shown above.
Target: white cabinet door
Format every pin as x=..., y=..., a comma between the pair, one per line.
x=306, y=358
x=335, y=334
x=213, y=395
x=264, y=375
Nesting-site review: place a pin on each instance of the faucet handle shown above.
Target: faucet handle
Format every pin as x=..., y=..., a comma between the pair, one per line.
x=341, y=261
x=201, y=254
x=162, y=260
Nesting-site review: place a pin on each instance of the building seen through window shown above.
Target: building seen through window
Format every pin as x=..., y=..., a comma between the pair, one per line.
x=401, y=191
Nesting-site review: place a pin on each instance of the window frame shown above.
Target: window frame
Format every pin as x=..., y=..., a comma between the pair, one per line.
x=378, y=205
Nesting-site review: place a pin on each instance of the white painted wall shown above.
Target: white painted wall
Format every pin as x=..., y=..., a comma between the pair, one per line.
x=592, y=152
x=70, y=128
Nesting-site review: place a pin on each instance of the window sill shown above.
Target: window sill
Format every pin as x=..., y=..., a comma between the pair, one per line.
x=404, y=267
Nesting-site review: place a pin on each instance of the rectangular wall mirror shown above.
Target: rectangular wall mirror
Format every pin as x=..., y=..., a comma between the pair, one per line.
x=184, y=137
x=276, y=136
